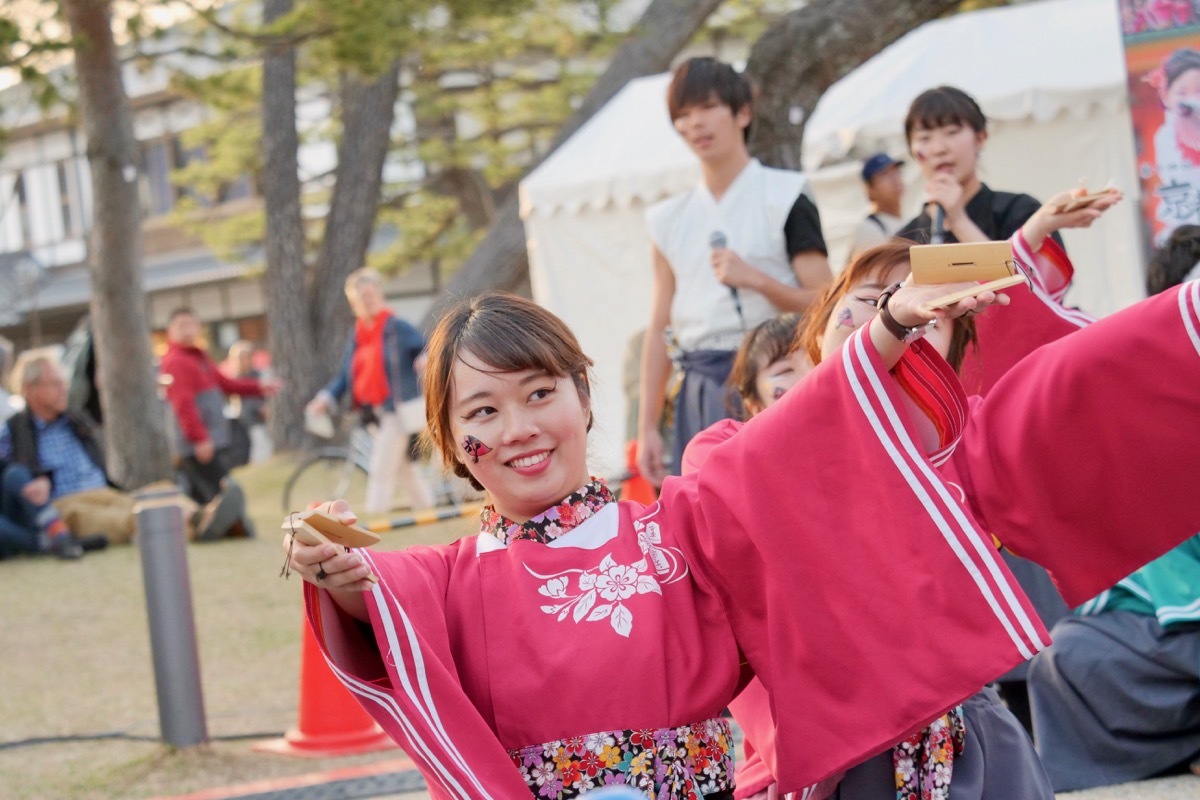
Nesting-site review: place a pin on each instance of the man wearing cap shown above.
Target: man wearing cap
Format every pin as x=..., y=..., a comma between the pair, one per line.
x=885, y=189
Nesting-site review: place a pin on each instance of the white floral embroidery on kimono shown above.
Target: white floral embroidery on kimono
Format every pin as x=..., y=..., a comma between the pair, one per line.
x=599, y=593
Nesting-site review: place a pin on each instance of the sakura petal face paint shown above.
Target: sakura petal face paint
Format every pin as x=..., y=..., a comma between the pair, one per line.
x=845, y=319
x=475, y=448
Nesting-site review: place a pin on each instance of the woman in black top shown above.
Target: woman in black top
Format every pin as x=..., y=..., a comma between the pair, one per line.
x=946, y=131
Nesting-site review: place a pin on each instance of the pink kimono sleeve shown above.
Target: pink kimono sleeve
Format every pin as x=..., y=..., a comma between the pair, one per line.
x=1048, y=268
x=1034, y=317
x=402, y=672
x=860, y=590
x=1084, y=456
x=752, y=710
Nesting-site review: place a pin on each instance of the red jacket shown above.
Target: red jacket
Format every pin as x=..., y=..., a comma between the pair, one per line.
x=197, y=394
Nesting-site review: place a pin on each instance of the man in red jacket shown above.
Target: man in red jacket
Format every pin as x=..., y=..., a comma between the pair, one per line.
x=197, y=395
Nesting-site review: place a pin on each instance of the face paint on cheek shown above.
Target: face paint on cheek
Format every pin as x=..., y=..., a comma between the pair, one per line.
x=777, y=392
x=475, y=448
x=845, y=319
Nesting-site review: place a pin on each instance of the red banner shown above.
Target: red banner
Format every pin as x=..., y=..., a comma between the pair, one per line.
x=1162, y=54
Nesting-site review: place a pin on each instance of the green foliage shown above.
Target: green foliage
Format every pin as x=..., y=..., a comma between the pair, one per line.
x=487, y=97
x=488, y=83
x=743, y=21
x=975, y=5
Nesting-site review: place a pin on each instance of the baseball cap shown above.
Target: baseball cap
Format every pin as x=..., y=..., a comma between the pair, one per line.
x=877, y=164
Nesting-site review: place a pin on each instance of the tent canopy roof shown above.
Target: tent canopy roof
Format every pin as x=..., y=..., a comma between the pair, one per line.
x=1033, y=60
x=627, y=152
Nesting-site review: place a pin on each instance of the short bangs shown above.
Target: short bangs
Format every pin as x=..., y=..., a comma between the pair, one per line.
x=944, y=105
x=698, y=79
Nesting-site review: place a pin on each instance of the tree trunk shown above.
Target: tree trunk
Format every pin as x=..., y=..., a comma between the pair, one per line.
x=308, y=317
x=134, y=419
x=368, y=110
x=810, y=49
x=291, y=332
x=500, y=261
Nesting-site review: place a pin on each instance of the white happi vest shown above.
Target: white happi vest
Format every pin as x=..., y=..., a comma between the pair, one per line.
x=751, y=215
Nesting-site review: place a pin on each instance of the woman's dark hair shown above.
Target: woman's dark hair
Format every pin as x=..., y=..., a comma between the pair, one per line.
x=1171, y=264
x=697, y=80
x=944, y=105
x=873, y=264
x=1179, y=62
x=508, y=333
x=763, y=346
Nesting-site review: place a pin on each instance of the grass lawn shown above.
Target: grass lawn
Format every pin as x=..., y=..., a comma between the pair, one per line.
x=76, y=662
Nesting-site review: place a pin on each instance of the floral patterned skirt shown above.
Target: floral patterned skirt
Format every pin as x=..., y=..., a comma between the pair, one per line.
x=691, y=762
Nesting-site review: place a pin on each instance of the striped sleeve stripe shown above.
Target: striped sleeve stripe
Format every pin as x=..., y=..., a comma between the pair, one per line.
x=1189, y=307
x=1188, y=613
x=956, y=528
x=427, y=734
x=980, y=541
x=1096, y=605
x=1025, y=258
x=1052, y=256
x=925, y=380
x=390, y=609
x=420, y=749
x=1135, y=590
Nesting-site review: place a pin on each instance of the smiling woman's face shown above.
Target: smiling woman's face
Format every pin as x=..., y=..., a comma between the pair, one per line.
x=535, y=426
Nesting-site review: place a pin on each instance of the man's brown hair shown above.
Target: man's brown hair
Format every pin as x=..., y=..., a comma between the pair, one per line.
x=698, y=80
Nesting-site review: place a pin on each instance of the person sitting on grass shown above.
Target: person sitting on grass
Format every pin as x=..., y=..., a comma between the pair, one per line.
x=30, y=524
x=64, y=458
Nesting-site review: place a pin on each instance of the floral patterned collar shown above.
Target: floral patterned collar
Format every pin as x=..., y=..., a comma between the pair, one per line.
x=554, y=522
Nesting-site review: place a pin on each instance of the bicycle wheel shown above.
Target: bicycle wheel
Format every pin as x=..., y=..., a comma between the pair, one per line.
x=328, y=475
x=449, y=489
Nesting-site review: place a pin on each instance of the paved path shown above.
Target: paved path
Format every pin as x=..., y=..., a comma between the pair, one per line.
x=1186, y=787
x=1183, y=787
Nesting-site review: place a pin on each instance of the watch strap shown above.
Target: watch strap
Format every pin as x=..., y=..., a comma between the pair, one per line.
x=901, y=332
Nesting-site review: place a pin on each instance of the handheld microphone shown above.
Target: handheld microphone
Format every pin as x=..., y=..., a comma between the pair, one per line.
x=938, y=234
x=717, y=241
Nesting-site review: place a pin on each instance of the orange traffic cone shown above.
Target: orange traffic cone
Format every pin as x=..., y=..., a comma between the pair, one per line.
x=635, y=487
x=331, y=722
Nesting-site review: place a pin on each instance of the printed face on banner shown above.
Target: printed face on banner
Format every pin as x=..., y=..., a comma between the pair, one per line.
x=1162, y=55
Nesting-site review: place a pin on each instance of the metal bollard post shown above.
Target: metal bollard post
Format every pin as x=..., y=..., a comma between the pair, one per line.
x=163, y=547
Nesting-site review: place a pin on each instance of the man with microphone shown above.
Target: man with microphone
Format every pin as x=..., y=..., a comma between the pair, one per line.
x=742, y=246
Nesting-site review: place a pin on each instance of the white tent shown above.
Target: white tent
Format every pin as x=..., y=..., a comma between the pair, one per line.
x=1057, y=115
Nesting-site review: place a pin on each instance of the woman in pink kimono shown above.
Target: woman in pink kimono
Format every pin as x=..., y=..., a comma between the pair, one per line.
x=979, y=750
x=577, y=642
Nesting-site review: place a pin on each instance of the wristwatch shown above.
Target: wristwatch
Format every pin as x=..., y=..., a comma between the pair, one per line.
x=901, y=332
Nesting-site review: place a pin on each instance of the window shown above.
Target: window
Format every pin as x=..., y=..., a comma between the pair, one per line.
x=68, y=200
x=154, y=182
x=22, y=199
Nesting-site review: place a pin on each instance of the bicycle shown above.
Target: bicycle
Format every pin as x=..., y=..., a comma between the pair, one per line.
x=340, y=471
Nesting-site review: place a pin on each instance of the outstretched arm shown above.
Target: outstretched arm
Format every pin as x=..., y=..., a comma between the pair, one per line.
x=1083, y=456
x=825, y=531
